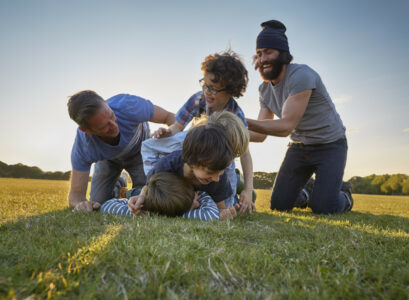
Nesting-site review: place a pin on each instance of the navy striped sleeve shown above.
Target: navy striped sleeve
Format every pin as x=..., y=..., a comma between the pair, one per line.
x=116, y=206
x=207, y=211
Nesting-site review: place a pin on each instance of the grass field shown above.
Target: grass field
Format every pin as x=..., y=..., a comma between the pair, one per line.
x=47, y=251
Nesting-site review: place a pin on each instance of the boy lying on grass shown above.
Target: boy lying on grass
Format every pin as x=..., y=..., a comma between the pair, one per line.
x=207, y=151
x=170, y=195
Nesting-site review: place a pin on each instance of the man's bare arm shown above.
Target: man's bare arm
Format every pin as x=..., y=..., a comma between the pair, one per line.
x=162, y=116
x=293, y=110
x=263, y=114
x=78, y=189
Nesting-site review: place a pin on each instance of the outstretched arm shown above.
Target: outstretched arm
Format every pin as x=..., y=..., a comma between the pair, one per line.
x=293, y=110
x=162, y=116
x=263, y=114
x=78, y=190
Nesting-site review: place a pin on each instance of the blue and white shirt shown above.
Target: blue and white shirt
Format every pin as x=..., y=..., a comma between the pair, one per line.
x=207, y=211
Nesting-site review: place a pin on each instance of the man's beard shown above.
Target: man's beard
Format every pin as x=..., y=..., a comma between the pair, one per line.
x=276, y=68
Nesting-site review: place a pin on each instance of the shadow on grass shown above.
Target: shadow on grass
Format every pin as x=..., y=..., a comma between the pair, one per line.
x=31, y=247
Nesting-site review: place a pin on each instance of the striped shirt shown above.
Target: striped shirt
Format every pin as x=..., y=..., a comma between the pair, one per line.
x=207, y=211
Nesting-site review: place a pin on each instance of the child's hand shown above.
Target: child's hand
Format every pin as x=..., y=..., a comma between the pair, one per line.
x=162, y=132
x=246, y=202
x=135, y=204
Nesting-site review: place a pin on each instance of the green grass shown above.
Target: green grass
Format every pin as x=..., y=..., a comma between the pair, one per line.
x=47, y=251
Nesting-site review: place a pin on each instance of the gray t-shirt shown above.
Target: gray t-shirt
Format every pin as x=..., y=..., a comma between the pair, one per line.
x=320, y=123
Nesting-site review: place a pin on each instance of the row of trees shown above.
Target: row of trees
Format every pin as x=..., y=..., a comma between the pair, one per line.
x=23, y=171
x=396, y=184
x=263, y=180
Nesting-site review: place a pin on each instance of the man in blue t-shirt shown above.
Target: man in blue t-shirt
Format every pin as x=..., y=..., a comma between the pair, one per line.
x=110, y=134
x=296, y=94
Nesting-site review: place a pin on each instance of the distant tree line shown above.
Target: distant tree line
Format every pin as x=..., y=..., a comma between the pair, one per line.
x=23, y=171
x=264, y=180
x=396, y=184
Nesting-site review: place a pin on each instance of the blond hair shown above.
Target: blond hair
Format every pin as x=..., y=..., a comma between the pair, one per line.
x=235, y=129
x=168, y=194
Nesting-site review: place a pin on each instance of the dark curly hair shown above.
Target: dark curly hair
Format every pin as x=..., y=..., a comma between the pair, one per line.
x=227, y=69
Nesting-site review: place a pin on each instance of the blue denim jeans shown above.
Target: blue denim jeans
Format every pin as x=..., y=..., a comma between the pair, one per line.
x=107, y=172
x=327, y=161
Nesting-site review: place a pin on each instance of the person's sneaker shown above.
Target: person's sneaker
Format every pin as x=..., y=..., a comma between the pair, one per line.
x=309, y=186
x=304, y=197
x=347, y=189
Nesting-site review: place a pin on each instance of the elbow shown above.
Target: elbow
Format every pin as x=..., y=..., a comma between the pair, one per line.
x=262, y=138
x=285, y=133
x=171, y=119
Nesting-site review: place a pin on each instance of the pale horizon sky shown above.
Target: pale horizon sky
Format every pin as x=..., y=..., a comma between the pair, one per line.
x=52, y=49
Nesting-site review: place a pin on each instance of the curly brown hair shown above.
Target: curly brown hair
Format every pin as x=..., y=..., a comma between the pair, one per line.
x=227, y=69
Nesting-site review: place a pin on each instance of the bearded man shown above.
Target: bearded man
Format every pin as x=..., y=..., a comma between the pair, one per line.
x=296, y=95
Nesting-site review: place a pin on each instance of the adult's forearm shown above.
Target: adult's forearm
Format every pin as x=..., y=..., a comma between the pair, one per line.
x=256, y=137
x=270, y=127
x=170, y=120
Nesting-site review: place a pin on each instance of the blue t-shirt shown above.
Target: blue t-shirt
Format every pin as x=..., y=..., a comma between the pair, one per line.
x=132, y=113
x=173, y=163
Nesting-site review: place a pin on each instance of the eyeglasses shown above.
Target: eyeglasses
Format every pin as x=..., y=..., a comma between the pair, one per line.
x=209, y=88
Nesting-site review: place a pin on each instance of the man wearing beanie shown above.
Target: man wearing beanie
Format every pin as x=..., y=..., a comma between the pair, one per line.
x=296, y=95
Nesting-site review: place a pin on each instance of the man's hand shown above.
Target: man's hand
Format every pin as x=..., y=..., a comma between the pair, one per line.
x=162, y=132
x=135, y=204
x=246, y=202
x=87, y=206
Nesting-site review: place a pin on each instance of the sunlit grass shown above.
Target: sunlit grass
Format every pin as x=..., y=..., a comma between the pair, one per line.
x=46, y=250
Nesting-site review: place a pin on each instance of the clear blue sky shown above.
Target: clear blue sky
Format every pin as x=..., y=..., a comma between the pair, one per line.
x=52, y=49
